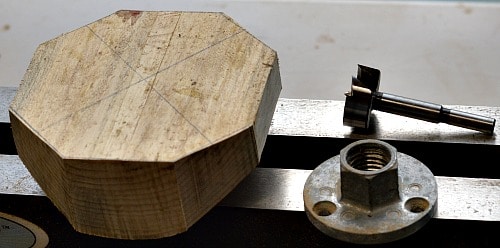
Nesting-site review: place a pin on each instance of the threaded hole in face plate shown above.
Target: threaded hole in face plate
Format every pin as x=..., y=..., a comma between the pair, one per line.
x=368, y=156
x=417, y=205
x=324, y=208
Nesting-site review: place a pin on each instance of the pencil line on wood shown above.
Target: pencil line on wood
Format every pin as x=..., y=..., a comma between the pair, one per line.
x=142, y=80
x=90, y=105
x=115, y=53
x=194, y=54
x=177, y=111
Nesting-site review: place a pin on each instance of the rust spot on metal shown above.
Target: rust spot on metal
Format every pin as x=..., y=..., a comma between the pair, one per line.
x=131, y=15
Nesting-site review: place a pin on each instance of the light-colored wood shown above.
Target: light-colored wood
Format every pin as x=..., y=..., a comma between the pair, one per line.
x=136, y=125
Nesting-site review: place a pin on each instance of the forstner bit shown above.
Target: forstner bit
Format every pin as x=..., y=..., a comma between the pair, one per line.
x=364, y=96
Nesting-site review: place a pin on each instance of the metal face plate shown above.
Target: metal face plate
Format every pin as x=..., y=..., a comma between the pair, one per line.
x=347, y=221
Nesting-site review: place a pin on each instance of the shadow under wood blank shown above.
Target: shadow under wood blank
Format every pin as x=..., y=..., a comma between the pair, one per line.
x=136, y=125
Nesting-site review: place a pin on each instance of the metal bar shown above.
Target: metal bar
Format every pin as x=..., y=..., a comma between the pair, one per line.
x=281, y=189
x=323, y=118
x=16, y=179
x=6, y=96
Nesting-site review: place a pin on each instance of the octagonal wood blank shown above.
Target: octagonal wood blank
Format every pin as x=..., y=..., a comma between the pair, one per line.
x=138, y=124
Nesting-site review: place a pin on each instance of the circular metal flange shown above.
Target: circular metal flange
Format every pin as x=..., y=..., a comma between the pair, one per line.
x=346, y=219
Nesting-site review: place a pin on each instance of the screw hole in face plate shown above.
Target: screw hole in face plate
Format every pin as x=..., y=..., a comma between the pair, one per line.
x=324, y=208
x=416, y=205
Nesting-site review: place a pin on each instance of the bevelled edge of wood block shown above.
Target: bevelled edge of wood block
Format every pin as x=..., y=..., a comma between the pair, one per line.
x=136, y=125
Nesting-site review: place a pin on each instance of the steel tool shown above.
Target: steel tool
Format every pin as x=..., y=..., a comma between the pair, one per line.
x=364, y=96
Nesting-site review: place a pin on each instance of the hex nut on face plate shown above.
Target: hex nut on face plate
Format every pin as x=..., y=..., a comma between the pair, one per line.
x=370, y=194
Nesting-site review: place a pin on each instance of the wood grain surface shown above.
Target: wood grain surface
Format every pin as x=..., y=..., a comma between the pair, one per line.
x=139, y=123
